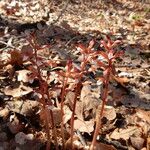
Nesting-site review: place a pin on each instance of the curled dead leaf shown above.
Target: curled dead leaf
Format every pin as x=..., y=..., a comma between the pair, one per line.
x=109, y=113
x=84, y=126
x=137, y=142
x=76, y=143
x=123, y=133
x=56, y=115
x=23, y=75
x=102, y=146
x=67, y=114
x=17, y=92
x=25, y=108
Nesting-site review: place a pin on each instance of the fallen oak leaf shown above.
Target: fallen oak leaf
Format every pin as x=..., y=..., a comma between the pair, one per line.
x=143, y=115
x=84, y=126
x=124, y=133
x=17, y=92
x=137, y=142
x=23, y=75
x=102, y=146
x=76, y=143
x=26, y=108
x=121, y=80
x=67, y=114
x=109, y=112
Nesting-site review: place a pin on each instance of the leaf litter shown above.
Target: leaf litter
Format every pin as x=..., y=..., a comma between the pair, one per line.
x=126, y=116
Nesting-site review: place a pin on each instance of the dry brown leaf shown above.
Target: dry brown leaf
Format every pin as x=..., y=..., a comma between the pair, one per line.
x=67, y=113
x=88, y=89
x=84, y=126
x=27, y=52
x=130, y=100
x=25, y=108
x=144, y=115
x=102, y=146
x=16, y=57
x=20, y=138
x=79, y=110
x=70, y=98
x=17, y=92
x=23, y=75
x=137, y=142
x=123, y=133
x=90, y=98
x=15, y=125
x=76, y=143
x=109, y=113
x=121, y=80
x=144, y=148
x=148, y=143
x=4, y=112
x=56, y=115
x=90, y=102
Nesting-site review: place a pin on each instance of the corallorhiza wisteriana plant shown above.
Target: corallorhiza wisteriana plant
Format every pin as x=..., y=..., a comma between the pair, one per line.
x=110, y=55
x=90, y=57
x=45, y=99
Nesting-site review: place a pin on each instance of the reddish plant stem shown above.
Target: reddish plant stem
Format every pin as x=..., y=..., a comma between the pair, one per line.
x=77, y=90
x=62, y=111
x=104, y=100
x=45, y=109
x=53, y=125
x=48, y=145
x=43, y=100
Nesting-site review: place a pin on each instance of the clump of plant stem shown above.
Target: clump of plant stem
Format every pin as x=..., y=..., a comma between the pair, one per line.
x=89, y=57
x=43, y=90
x=77, y=74
x=109, y=55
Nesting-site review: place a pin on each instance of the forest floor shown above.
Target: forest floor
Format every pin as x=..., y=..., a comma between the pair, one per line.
x=62, y=26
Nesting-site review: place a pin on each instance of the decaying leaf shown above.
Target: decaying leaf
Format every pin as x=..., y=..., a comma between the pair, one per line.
x=123, y=133
x=144, y=115
x=25, y=108
x=90, y=90
x=76, y=143
x=67, y=113
x=16, y=57
x=56, y=115
x=84, y=126
x=148, y=143
x=137, y=142
x=20, y=138
x=15, y=125
x=102, y=146
x=4, y=112
x=109, y=112
x=79, y=110
x=70, y=98
x=23, y=75
x=17, y=92
x=27, y=52
x=90, y=98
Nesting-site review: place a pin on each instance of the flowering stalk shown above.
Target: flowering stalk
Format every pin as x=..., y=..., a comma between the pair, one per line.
x=110, y=55
x=43, y=91
x=77, y=74
x=66, y=75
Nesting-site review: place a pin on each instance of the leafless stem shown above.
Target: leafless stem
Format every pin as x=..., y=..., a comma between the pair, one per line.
x=62, y=111
x=100, y=115
x=77, y=90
